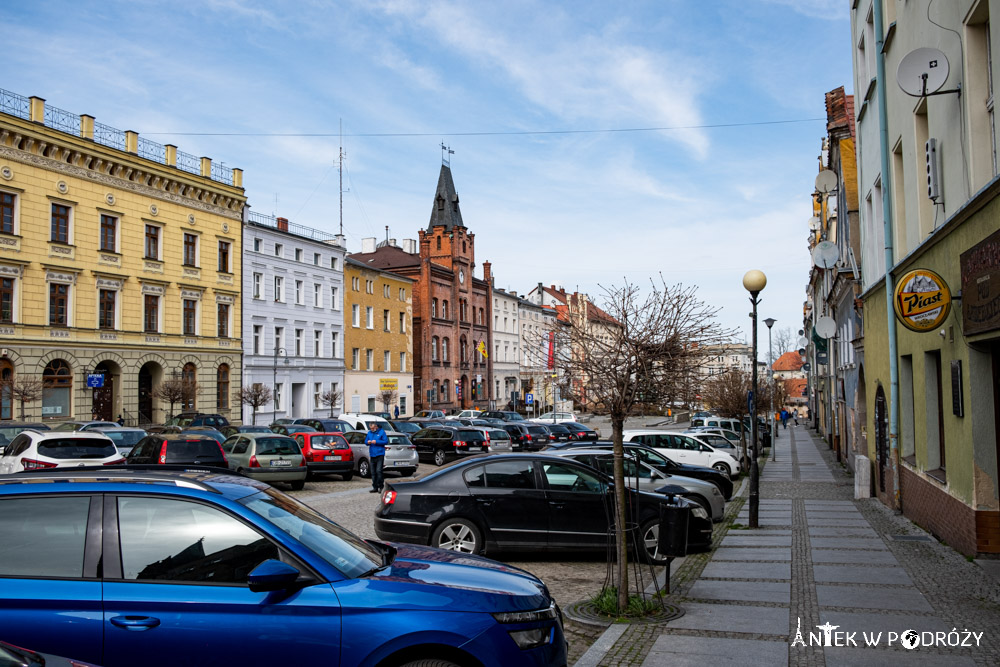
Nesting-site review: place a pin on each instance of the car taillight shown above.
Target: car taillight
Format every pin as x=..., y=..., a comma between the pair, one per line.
x=253, y=461
x=222, y=453
x=527, y=436
x=302, y=462
x=389, y=497
x=116, y=462
x=458, y=443
x=163, y=452
x=32, y=464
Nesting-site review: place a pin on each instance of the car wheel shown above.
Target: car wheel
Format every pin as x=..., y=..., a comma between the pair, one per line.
x=347, y=476
x=432, y=662
x=723, y=468
x=457, y=535
x=298, y=485
x=650, y=533
x=439, y=457
x=363, y=468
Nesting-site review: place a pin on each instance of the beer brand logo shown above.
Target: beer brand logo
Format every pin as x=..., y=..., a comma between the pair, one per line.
x=922, y=300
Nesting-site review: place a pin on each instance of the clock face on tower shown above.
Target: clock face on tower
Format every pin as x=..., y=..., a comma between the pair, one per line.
x=461, y=276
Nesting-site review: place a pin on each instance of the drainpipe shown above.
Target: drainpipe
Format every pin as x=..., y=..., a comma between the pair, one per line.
x=883, y=131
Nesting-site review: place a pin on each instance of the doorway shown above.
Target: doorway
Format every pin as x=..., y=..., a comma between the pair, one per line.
x=881, y=437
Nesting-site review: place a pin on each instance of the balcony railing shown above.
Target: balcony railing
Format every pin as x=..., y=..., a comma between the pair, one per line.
x=189, y=163
x=61, y=120
x=264, y=220
x=152, y=151
x=15, y=105
x=109, y=136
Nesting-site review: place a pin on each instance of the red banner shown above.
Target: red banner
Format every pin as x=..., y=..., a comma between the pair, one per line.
x=552, y=350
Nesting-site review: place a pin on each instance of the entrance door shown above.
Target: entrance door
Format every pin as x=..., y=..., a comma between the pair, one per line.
x=145, y=395
x=881, y=437
x=6, y=399
x=104, y=397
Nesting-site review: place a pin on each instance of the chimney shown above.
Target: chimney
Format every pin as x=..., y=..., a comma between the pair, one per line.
x=486, y=271
x=391, y=242
x=368, y=245
x=283, y=224
x=341, y=240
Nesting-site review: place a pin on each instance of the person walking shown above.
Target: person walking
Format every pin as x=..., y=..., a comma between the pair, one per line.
x=395, y=412
x=376, y=442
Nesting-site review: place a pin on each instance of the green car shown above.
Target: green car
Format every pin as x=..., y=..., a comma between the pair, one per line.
x=266, y=457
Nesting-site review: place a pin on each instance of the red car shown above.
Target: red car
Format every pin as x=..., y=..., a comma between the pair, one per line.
x=326, y=453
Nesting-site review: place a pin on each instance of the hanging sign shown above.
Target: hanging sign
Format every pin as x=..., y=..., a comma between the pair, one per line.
x=921, y=300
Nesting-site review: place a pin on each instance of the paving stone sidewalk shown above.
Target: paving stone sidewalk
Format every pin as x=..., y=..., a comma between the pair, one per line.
x=851, y=576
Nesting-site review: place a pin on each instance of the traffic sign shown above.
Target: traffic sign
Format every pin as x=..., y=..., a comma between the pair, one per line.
x=529, y=399
x=750, y=401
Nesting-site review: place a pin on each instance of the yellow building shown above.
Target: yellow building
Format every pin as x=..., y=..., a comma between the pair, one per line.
x=119, y=269
x=378, y=340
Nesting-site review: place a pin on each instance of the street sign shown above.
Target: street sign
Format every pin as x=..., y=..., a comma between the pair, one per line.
x=529, y=399
x=750, y=401
x=95, y=380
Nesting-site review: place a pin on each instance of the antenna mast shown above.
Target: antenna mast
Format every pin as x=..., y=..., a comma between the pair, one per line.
x=340, y=169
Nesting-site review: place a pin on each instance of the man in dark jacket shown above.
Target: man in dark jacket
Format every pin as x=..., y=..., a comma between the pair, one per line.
x=376, y=441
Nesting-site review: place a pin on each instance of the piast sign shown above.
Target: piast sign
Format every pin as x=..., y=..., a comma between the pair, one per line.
x=922, y=300
x=981, y=286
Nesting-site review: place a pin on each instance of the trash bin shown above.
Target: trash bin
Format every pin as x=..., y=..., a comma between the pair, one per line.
x=674, y=518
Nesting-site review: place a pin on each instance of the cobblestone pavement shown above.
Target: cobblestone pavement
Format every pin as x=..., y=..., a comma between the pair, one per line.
x=862, y=585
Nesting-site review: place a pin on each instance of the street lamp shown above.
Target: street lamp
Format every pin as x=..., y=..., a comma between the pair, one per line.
x=754, y=281
x=770, y=374
x=274, y=376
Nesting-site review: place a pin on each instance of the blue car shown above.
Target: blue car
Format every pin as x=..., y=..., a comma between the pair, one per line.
x=124, y=567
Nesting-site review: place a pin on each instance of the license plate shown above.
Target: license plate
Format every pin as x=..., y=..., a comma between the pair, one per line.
x=400, y=463
x=331, y=458
x=281, y=463
x=475, y=448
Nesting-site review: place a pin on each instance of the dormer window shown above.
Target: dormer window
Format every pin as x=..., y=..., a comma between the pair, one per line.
x=454, y=204
x=440, y=203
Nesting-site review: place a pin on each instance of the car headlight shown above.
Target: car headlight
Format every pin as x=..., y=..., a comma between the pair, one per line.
x=700, y=512
x=527, y=616
x=533, y=637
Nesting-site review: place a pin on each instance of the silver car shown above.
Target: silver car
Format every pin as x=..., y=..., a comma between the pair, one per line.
x=647, y=478
x=499, y=441
x=400, y=454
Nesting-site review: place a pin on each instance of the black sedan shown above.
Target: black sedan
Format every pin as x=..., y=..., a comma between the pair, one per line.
x=660, y=462
x=581, y=432
x=522, y=502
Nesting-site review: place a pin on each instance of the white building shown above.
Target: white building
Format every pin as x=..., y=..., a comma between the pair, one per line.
x=506, y=345
x=293, y=321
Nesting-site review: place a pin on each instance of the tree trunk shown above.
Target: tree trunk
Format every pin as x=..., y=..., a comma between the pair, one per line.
x=621, y=540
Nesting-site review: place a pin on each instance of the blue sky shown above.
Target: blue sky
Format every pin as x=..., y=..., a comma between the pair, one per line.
x=520, y=90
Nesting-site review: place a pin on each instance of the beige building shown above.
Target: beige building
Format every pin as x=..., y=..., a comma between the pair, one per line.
x=378, y=340
x=119, y=268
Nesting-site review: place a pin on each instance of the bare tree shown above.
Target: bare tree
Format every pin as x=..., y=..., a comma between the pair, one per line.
x=388, y=397
x=783, y=340
x=331, y=398
x=176, y=390
x=641, y=347
x=726, y=393
x=23, y=389
x=256, y=395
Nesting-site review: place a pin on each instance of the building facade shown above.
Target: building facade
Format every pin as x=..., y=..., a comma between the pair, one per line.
x=119, y=269
x=506, y=361
x=293, y=292
x=379, y=342
x=928, y=188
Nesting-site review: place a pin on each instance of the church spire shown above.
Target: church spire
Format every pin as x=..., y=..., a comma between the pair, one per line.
x=445, y=211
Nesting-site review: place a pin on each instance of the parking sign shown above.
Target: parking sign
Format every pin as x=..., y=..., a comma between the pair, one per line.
x=529, y=399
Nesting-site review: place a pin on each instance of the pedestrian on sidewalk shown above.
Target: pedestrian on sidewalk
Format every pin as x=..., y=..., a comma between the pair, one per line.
x=784, y=418
x=795, y=416
x=376, y=441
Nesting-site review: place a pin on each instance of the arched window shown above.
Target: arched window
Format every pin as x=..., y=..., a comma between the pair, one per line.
x=482, y=316
x=434, y=349
x=57, y=382
x=437, y=389
x=434, y=308
x=444, y=350
x=444, y=391
x=463, y=350
x=439, y=243
x=189, y=376
x=444, y=309
x=222, y=387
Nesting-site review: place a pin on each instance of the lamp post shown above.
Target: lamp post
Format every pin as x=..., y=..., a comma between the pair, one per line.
x=770, y=375
x=274, y=376
x=754, y=281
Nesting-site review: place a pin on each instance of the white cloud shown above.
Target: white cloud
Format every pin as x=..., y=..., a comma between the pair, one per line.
x=828, y=10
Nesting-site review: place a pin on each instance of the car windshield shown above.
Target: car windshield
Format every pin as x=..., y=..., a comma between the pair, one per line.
x=180, y=421
x=398, y=439
x=76, y=448
x=499, y=434
x=183, y=450
x=253, y=429
x=406, y=427
x=276, y=446
x=125, y=438
x=68, y=426
x=469, y=434
x=327, y=441
x=343, y=550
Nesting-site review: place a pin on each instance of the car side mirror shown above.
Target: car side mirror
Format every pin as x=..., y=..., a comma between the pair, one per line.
x=2, y=450
x=272, y=575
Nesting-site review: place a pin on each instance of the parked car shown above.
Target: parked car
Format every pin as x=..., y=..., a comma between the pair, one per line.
x=187, y=419
x=499, y=441
x=441, y=443
x=702, y=413
x=731, y=436
x=639, y=475
x=559, y=433
x=17, y=656
x=237, y=573
x=326, y=453
x=523, y=502
x=177, y=449
x=717, y=422
x=124, y=437
x=521, y=438
x=9, y=430
x=291, y=429
x=582, y=432
x=400, y=454
x=283, y=420
x=83, y=425
x=433, y=414
x=360, y=421
x=656, y=459
x=245, y=428
x=209, y=431
x=466, y=414
x=267, y=457
x=684, y=449
x=400, y=426
x=37, y=450
x=556, y=417
x=505, y=415
x=718, y=442
x=325, y=425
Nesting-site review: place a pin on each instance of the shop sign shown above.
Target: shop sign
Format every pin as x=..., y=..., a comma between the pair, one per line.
x=981, y=286
x=922, y=300
x=388, y=384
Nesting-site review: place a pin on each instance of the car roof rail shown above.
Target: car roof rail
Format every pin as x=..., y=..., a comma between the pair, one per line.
x=179, y=475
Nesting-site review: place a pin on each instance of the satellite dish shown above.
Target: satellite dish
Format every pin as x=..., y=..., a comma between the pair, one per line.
x=814, y=224
x=922, y=72
x=826, y=327
x=826, y=181
x=803, y=342
x=825, y=254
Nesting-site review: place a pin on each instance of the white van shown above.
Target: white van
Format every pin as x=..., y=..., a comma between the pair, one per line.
x=683, y=448
x=359, y=421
